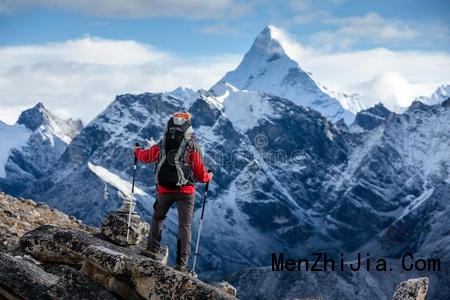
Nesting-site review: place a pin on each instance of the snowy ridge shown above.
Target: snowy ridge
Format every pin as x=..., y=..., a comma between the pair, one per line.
x=442, y=93
x=357, y=156
x=184, y=94
x=352, y=102
x=40, y=118
x=129, y=112
x=416, y=203
x=122, y=185
x=65, y=130
x=245, y=108
x=12, y=136
x=413, y=139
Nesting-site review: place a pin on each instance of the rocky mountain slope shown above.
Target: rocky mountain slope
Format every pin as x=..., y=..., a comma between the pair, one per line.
x=290, y=181
x=92, y=176
x=30, y=148
x=73, y=261
x=18, y=216
x=331, y=285
x=411, y=169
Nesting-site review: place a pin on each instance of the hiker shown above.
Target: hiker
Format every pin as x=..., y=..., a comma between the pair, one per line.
x=178, y=163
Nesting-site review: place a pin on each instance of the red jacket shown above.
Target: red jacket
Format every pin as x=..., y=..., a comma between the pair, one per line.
x=194, y=159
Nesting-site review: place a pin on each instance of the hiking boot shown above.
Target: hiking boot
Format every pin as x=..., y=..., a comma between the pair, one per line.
x=185, y=270
x=182, y=269
x=149, y=253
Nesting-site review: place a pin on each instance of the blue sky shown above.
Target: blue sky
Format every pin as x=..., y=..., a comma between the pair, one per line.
x=218, y=31
x=194, y=42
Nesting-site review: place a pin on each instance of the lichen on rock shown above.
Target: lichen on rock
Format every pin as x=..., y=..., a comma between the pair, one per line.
x=114, y=228
x=72, y=261
x=121, y=270
x=412, y=289
x=18, y=216
x=20, y=278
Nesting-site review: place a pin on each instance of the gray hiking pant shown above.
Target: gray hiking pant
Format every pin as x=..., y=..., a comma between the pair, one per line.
x=185, y=206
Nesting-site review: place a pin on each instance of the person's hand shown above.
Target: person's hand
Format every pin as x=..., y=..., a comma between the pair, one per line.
x=210, y=175
x=136, y=148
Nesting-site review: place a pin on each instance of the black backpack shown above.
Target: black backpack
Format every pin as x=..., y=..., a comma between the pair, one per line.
x=172, y=169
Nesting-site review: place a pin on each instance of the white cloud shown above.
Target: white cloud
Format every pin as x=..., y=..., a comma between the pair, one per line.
x=293, y=49
x=392, y=86
x=395, y=78
x=371, y=28
x=79, y=78
x=140, y=8
x=87, y=50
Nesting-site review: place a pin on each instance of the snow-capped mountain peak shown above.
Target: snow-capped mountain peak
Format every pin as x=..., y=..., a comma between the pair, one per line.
x=372, y=117
x=185, y=94
x=441, y=94
x=267, y=68
x=12, y=136
x=30, y=147
x=39, y=117
x=265, y=57
x=34, y=117
x=268, y=45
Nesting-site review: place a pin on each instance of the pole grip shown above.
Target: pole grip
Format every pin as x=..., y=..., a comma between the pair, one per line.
x=204, y=201
x=134, y=170
x=135, y=157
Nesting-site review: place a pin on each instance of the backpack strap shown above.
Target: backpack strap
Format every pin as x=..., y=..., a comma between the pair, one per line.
x=161, y=158
x=181, y=179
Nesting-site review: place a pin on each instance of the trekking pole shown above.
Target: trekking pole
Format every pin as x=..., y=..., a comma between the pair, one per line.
x=200, y=226
x=132, y=192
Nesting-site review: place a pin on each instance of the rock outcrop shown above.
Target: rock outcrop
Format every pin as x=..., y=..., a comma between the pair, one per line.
x=120, y=270
x=17, y=216
x=23, y=278
x=412, y=289
x=225, y=287
x=72, y=261
x=134, y=277
x=114, y=228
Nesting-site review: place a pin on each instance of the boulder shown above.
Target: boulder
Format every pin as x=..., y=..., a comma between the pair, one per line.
x=225, y=287
x=114, y=228
x=121, y=270
x=412, y=289
x=21, y=278
x=137, y=277
x=54, y=244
